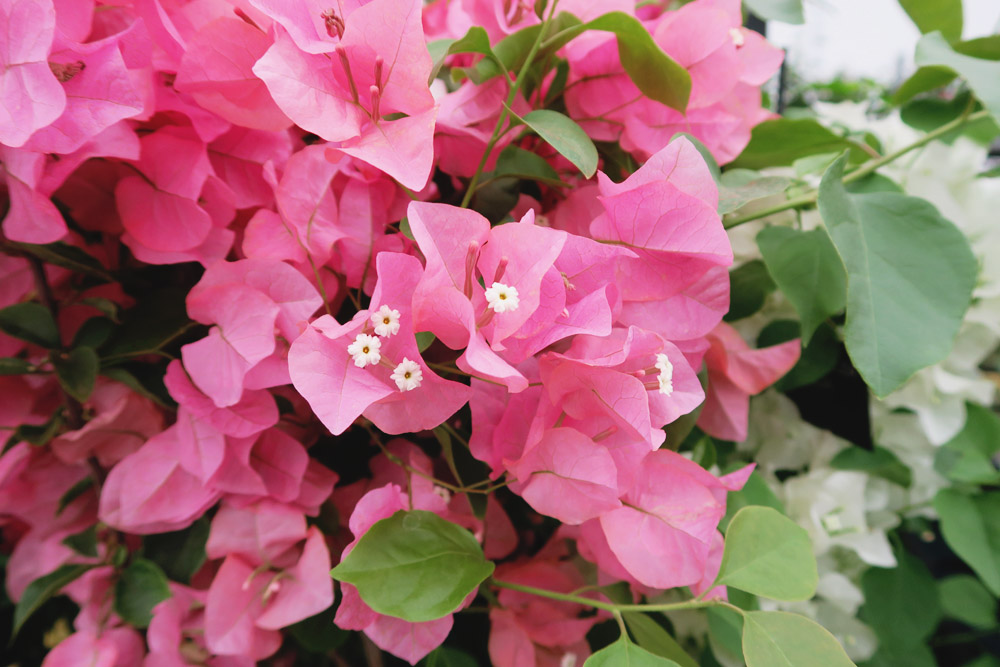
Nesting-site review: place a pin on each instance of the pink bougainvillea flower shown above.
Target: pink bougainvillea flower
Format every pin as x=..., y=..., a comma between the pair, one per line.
x=216, y=71
x=255, y=411
x=342, y=381
x=32, y=95
x=262, y=533
x=150, y=492
x=116, y=647
x=378, y=65
x=32, y=217
x=663, y=534
x=736, y=372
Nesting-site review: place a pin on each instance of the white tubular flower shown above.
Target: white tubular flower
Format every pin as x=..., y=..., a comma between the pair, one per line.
x=666, y=376
x=502, y=298
x=365, y=350
x=385, y=321
x=407, y=375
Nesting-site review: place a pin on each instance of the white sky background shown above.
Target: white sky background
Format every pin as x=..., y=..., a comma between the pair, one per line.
x=864, y=38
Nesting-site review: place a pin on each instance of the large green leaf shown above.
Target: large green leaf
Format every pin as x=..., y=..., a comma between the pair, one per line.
x=924, y=79
x=877, y=462
x=514, y=162
x=971, y=527
x=624, y=653
x=902, y=604
x=563, y=134
x=930, y=15
x=67, y=256
x=651, y=636
x=768, y=554
x=807, y=270
x=964, y=598
x=910, y=275
x=77, y=371
x=42, y=589
x=749, y=286
x=782, y=141
x=31, y=322
x=741, y=186
x=755, y=492
x=141, y=586
x=969, y=456
x=787, y=11
x=180, y=553
x=415, y=566
x=780, y=639
x=983, y=76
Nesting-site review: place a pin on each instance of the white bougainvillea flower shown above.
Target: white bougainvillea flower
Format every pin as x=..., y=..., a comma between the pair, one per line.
x=407, y=375
x=365, y=350
x=386, y=321
x=502, y=298
x=666, y=376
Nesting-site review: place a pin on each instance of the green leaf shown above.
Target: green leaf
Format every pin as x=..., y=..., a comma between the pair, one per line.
x=141, y=586
x=108, y=307
x=653, y=72
x=475, y=41
x=910, y=275
x=749, y=286
x=424, y=340
x=807, y=270
x=42, y=589
x=921, y=81
x=37, y=434
x=970, y=456
x=983, y=76
x=77, y=371
x=84, y=542
x=155, y=321
x=786, y=11
x=781, y=141
x=415, y=566
x=67, y=256
x=563, y=134
x=318, y=634
x=930, y=15
x=181, y=553
x=445, y=656
x=768, y=554
x=741, y=186
x=818, y=358
x=755, y=492
x=780, y=639
x=73, y=493
x=15, y=366
x=651, y=636
x=156, y=393
x=93, y=333
x=964, y=598
x=971, y=527
x=624, y=653
x=514, y=162
x=31, y=322
x=901, y=603
x=878, y=462
x=725, y=632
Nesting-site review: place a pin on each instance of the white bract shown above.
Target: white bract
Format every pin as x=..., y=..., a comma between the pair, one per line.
x=386, y=321
x=365, y=350
x=502, y=298
x=666, y=376
x=407, y=375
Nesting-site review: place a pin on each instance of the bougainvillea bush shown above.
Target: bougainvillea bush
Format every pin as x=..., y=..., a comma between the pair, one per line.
x=347, y=333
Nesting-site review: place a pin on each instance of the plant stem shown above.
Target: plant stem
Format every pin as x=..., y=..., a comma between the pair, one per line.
x=504, y=113
x=610, y=606
x=864, y=170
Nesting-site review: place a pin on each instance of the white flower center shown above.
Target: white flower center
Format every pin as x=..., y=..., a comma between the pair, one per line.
x=365, y=350
x=502, y=298
x=385, y=321
x=407, y=375
x=666, y=376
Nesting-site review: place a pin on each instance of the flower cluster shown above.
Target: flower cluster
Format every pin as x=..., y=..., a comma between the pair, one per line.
x=289, y=169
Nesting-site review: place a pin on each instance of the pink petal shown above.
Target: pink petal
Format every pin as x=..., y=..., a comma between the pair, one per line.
x=232, y=606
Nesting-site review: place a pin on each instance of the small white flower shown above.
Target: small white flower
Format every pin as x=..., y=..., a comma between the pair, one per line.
x=568, y=660
x=442, y=493
x=386, y=321
x=502, y=298
x=666, y=376
x=736, y=35
x=407, y=375
x=365, y=350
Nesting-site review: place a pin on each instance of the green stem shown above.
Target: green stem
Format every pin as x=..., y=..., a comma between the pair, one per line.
x=864, y=170
x=504, y=113
x=610, y=606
